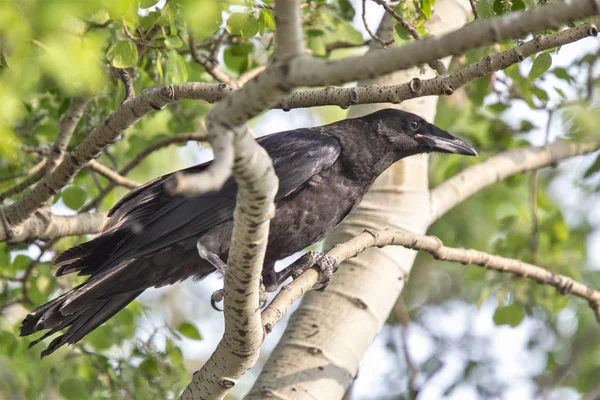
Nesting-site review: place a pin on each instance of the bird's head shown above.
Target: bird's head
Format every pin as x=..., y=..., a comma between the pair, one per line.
x=411, y=134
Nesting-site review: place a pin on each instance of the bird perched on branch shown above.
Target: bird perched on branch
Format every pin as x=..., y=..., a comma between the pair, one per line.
x=153, y=239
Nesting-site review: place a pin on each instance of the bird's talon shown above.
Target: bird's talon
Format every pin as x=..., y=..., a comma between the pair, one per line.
x=217, y=297
x=327, y=264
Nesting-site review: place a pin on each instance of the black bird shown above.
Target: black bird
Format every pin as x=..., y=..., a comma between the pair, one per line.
x=150, y=239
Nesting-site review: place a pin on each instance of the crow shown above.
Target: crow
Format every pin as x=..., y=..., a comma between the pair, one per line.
x=153, y=239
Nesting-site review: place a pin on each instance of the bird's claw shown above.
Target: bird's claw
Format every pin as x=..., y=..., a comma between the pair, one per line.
x=327, y=264
x=217, y=297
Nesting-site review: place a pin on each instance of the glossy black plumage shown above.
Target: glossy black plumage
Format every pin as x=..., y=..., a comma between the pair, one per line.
x=150, y=238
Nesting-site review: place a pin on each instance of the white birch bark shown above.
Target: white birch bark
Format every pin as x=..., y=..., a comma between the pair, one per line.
x=328, y=335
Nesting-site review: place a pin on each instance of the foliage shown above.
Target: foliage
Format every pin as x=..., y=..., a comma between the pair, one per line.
x=55, y=50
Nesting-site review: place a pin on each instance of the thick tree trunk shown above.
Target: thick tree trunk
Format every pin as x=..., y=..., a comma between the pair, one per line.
x=328, y=335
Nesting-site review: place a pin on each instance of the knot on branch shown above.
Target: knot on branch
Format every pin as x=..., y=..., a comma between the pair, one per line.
x=415, y=85
x=226, y=383
x=593, y=30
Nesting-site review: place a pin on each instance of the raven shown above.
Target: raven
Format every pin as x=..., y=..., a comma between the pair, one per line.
x=153, y=239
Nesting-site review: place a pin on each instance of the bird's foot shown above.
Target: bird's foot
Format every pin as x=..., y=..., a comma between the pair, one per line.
x=216, y=298
x=212, y=258
x=326, y=264
x=219, y=295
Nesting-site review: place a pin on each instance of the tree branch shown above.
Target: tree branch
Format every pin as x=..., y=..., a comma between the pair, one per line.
x=436, y=65
x=477, y=177
x=210, y=65
x=433, y=245
x=312, y=72
x=253, y=171
x=46, y=226
x=35, y=174
x=111, y=174
x=438, y=86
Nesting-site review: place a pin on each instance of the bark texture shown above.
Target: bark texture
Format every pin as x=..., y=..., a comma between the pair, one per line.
x=327, y=337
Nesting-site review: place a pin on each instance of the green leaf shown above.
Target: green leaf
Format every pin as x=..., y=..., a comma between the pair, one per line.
x=540, y=66
x=74, y=197
x=242, y=24
x=347, y=11
x=148, y=3
x=427, y=8
x=189, y=331
x=593, y=169
x=345, y=32
x=517, y=5
x=74, y=388
x=238, y=58
x=511, y=315
x=173, y=42
x=203, y=16
x=268, y=18
x=499, y=7
x=176, y=69
x=122, y=54
x=316, y=42
x=149, y=367
x=562, y=73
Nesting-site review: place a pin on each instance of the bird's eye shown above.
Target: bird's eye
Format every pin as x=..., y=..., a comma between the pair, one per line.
x=414, y=125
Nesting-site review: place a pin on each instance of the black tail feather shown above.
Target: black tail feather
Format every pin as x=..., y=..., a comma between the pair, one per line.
x=80, y=323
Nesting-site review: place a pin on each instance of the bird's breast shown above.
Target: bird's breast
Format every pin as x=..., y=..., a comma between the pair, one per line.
x=311, y=213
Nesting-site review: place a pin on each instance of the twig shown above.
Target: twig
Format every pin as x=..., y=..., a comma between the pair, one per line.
x=436, y=248
x=127, y=83
x=438, y=86
x=474, y=8
x=141, y=156
x=138, y=41
x=68, y=123
x=112, y=175
x=35, y=174
x=534, y=240
x=371, y=33
x=209, y=64
x=436, y=65
x=473, y=179
x=401, y=314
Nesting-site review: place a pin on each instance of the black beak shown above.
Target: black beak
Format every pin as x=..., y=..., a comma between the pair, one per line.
x=448, y=144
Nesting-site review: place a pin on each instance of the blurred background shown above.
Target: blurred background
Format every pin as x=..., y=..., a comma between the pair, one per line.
x=457, y=332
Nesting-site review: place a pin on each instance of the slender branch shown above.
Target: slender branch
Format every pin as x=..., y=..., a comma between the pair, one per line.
x=438, y=86
x=138, y=41
x=141, y=156
x=111, y=174
x=401, y=313
x=436, y=65
x=34, y=175
x=373, y=35
x=114, y=125
x=473, y=179
x=47, y=226
x=210, y=65
x=435, y=247
x=127, y=83
x=534, y=240
x=474, y=8
x=68, y=123
x=313, y=72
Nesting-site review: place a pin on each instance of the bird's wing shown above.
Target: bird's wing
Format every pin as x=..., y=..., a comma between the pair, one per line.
x=148, y=219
